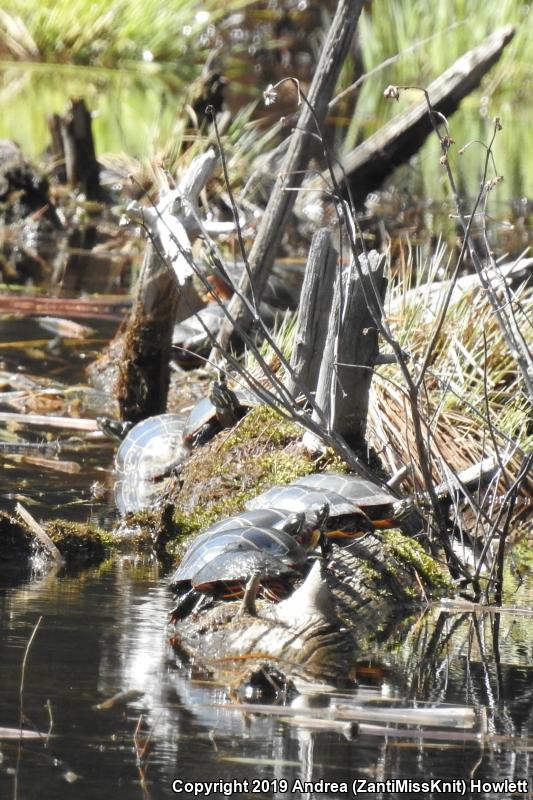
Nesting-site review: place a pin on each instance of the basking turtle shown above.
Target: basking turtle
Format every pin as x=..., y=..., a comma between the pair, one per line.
x=222, y=409
x=345, y=517
x=383, y=509
x=145, y=460
x=308, y=533
x=220, y=564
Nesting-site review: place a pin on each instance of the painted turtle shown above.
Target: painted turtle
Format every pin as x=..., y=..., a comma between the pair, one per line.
x=381, y=507
x=222, y=409
x=194, y=336
x=145, y=460
x=220, y=564
x=345, y=517
x=306, y=528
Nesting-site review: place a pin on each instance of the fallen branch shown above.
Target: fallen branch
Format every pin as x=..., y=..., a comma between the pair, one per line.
x=372, y=161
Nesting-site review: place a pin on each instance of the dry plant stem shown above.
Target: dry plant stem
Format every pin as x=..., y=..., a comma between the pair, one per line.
x=21, y=704
x=492, y=436
x=510, y=495
x=467, y=227
x=522, y=357
x=269, y=235
x=211, y=111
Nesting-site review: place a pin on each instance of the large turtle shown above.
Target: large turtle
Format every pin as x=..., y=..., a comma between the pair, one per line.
x=309, y=534
x=382, y=508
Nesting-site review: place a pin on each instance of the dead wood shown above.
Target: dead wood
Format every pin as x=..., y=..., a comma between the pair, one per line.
x=313, y=313
x=73, y=149
x=266, y=244
x=372, y=161
x=350, y=350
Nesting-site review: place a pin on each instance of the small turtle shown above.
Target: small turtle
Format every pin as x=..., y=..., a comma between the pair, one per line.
x=145, y=460
x=114, y=428
x=383, y=509
x=345, y=519
x=220, y=564
x=222, y=409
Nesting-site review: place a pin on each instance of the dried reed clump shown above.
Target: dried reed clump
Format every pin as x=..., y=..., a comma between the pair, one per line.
x=472, y=406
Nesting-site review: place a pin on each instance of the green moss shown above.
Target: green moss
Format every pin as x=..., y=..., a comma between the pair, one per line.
x=283, y=467
x=410, y=553
x=79, y=542
x=263, y=426
x=221, y=476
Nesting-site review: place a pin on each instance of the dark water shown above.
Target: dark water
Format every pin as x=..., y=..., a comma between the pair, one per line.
x=103, y=632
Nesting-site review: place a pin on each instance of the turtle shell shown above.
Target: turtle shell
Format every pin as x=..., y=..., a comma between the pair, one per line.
x=375, y=501
x=145, y=460
x=301, y=498
x=261, y=518
x=207, y=549
x=191, y=334
x=345, y=517
x=237, y=566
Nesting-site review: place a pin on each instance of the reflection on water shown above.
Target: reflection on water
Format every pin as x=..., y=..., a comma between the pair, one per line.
x=103, y=633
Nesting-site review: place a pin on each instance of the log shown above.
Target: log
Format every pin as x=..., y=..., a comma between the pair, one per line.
x=372, y=161
x=73, y=149
x=350, y=351
x=280, y=205
x=165, y=293
x=314, y=633
x=313, y=313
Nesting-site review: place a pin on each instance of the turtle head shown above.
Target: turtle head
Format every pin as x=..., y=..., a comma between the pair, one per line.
x=114, y=428
x=294, y=524
x=321, y=513
x=223, y=398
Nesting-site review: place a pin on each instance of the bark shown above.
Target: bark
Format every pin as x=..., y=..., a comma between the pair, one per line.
x=350, y=351
x=313, y=313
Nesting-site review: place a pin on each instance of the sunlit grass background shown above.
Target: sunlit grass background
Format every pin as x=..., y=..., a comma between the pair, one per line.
x=134, y=64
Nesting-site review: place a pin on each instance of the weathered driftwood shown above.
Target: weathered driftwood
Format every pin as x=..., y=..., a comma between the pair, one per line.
x=281, y=201
x=313, y=313
x=372, y=161
x=350, y=350
x=430, y=296
x=73, y=149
